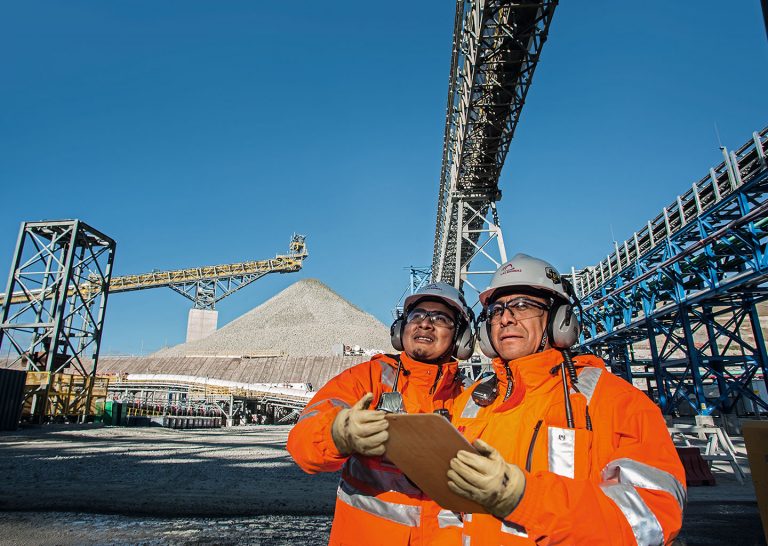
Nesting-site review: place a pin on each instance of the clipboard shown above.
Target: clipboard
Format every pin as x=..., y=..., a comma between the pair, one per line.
x=422, y=446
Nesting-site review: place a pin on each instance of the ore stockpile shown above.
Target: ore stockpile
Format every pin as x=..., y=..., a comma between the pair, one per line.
x=288, y=339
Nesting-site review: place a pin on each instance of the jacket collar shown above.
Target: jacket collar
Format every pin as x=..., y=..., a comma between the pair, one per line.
x=532, y=370
x=417, y=367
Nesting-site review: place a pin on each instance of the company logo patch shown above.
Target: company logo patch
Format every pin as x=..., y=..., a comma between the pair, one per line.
x=510, y=268
x=552, y=275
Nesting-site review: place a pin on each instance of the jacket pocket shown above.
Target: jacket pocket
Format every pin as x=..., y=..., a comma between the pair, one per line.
x=568, y=451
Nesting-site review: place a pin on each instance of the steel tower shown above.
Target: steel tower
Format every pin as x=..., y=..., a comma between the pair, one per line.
x=63, y=270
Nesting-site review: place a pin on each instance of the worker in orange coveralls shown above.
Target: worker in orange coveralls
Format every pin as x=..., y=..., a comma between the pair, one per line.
x=568, y=453
x=376, y=503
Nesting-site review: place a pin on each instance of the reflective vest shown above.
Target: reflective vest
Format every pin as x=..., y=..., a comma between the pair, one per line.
x=375, y=502
x=617, y=482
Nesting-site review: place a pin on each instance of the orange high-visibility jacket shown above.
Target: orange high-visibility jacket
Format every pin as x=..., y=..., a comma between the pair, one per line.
x=375, y=502
x=620, y=483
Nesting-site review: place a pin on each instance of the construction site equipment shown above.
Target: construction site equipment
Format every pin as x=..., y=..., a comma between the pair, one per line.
x=56, y=325
x=686, y=287
x=11, y=396
x=713, y=441
x=191, y=422
x=60, y=280
x=496, y=48
x=70, y=397
x=204, y=286
x=235, y=402
x=696, y=470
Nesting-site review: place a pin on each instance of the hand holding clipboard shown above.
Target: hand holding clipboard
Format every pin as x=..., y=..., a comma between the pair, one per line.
x=422, y=446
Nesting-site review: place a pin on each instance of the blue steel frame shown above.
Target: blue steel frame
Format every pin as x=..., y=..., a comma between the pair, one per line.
x=692, y=298
x=420, y=276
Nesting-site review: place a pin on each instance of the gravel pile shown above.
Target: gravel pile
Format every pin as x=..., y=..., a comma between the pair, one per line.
x=305, y=319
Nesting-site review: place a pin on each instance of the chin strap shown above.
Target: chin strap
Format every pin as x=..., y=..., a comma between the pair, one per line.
x=544, y=339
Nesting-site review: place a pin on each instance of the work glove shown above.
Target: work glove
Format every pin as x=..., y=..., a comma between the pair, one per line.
x=487, y=479
x=360, y=430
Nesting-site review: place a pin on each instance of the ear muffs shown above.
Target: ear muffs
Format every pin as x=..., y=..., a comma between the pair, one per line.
x=396, y=333
x=465, y=339
x=484, y=337
x=563, y=327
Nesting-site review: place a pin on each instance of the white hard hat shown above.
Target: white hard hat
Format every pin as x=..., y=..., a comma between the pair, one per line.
x=444, y=292
x=525, y=272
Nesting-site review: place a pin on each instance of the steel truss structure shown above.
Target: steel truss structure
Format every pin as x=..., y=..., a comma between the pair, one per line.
x=208, y=285
x=684, y=290
x=496, y=47
x=420, y=276
x=187, y=395
x=204, y=286
x=63, y=269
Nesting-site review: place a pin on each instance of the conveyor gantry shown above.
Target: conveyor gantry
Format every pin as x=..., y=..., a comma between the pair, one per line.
x=496, y=47
x=205, y=286
x=684, y=290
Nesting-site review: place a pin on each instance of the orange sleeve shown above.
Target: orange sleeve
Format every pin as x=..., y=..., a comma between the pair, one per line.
x=635, y=497
x=309, y=442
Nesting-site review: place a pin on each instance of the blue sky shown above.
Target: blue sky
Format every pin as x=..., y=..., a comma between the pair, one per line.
x=198, y=133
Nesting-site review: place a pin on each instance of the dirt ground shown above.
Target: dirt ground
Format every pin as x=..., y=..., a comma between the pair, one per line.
x=239, y=471
x=93, y=485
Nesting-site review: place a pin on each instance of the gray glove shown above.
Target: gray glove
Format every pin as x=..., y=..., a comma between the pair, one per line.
x=360, y=430
x=487, y=479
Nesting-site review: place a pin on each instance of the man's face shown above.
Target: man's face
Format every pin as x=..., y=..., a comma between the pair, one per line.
x=515, y=338
x=427, y=341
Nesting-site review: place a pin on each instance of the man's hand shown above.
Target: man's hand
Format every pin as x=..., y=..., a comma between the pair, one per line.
x=360, y=430
x=487, y=479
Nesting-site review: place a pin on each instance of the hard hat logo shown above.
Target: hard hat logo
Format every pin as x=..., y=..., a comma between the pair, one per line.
x=433, y=286
x=552, y=275
x=529, y=274
x=510, y=268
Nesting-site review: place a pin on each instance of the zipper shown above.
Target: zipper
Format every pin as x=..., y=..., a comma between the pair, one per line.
x=510, y=381
x=437, y=378
x=529, y=457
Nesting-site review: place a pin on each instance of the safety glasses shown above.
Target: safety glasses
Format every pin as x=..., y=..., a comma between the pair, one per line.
x=520, y=308
x=437, y=318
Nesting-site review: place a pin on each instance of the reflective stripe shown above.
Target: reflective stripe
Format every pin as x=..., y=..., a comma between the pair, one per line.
x=403, y=514
x=305, y=413
x=513, y=529
x=337, y=402
x=588, y=381
x=446, y=518
x=562, y=451
x=465, y=540
x=306, y=416
x=470, y=410
x=380, y=480
x=639, y=474
x=468, y=517
x=387, y=374
x=643, y=522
